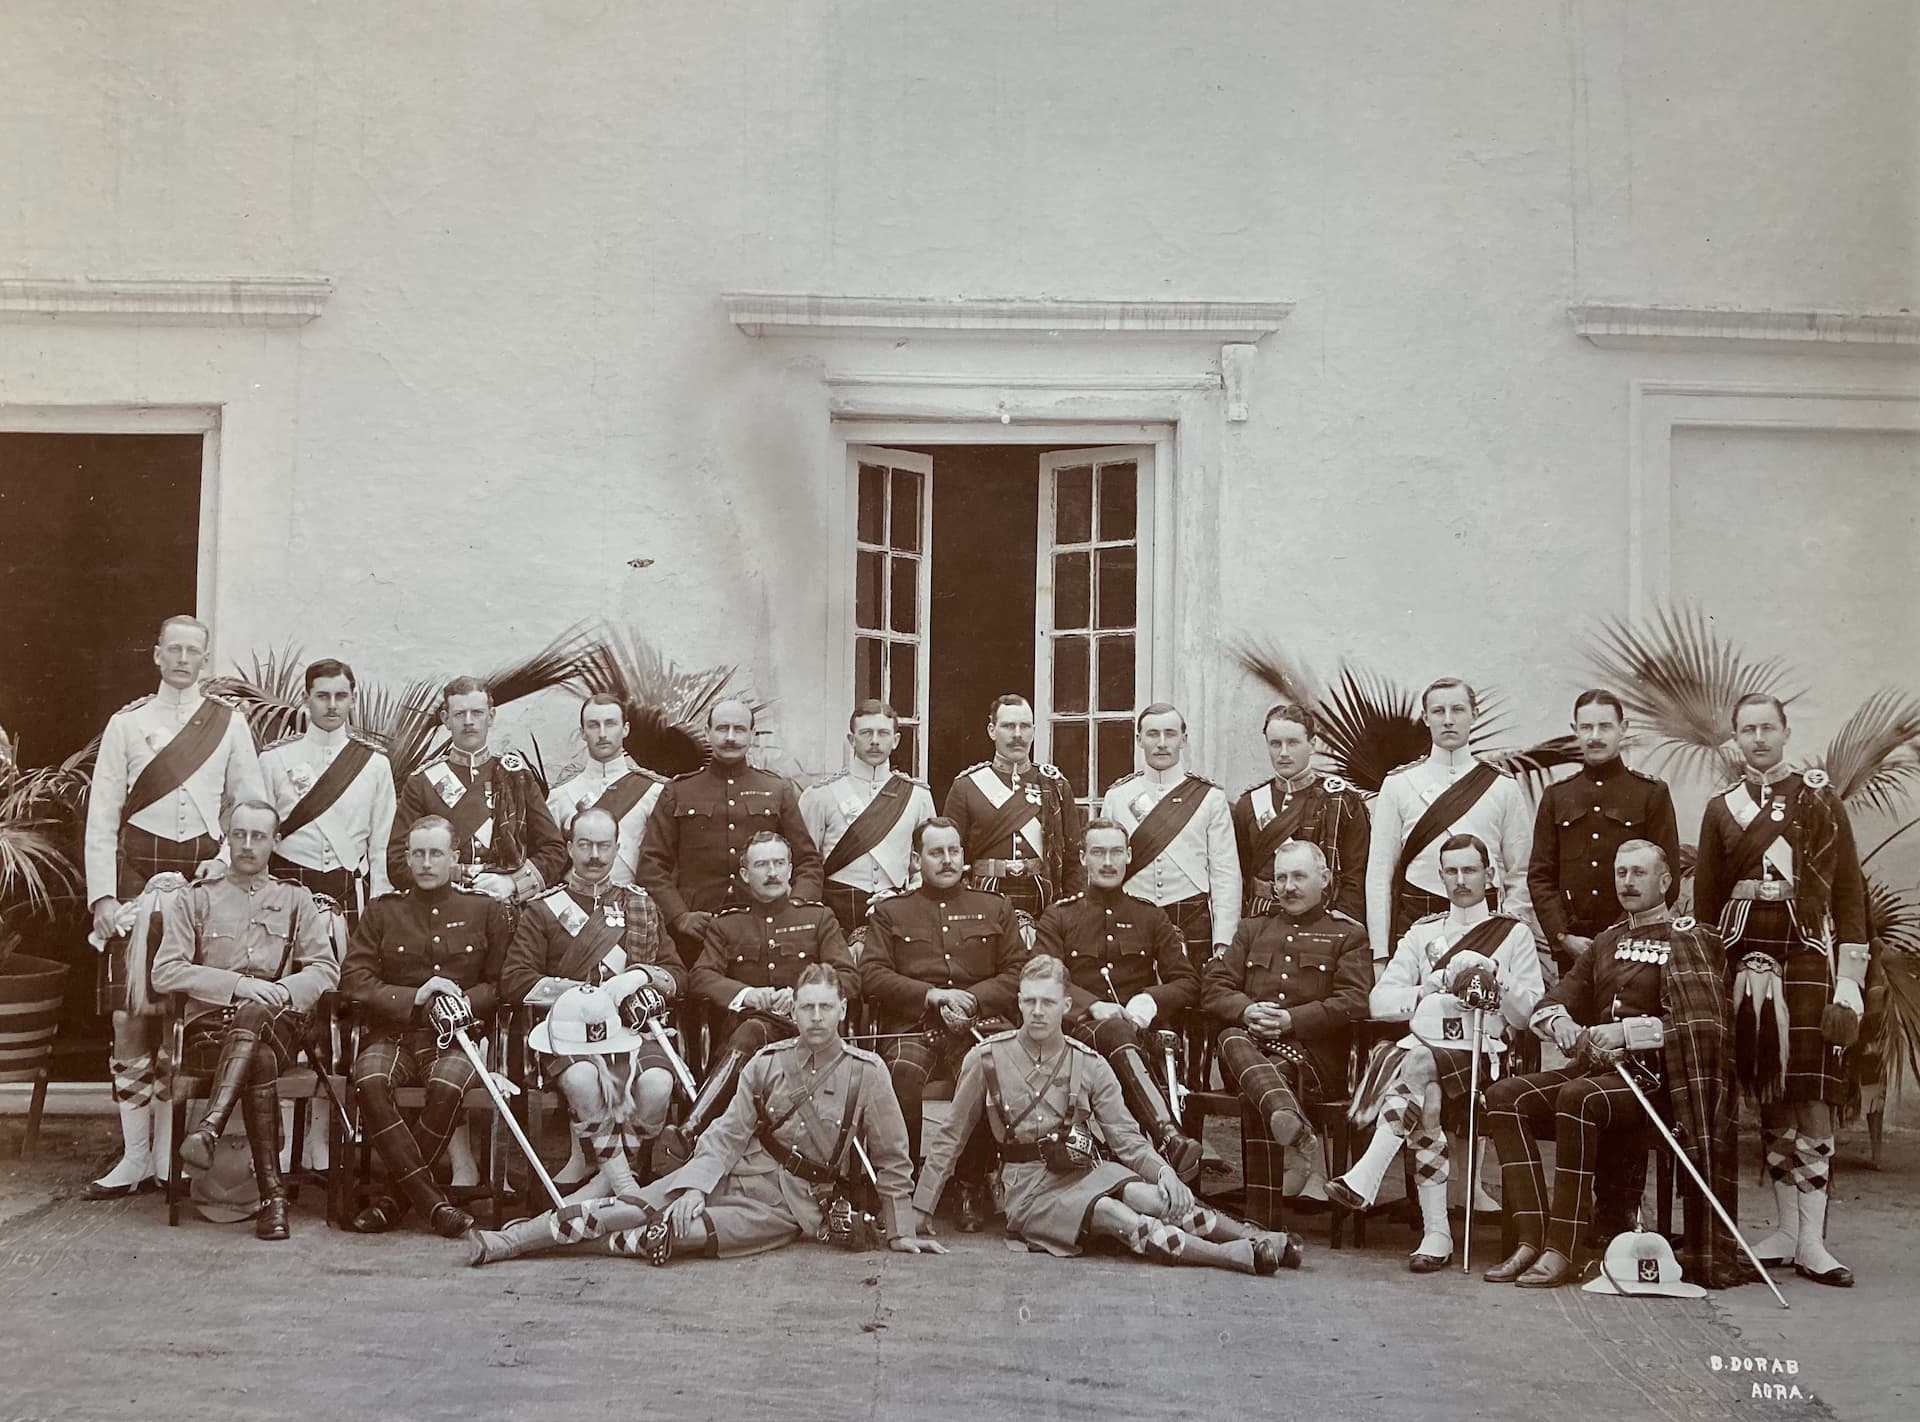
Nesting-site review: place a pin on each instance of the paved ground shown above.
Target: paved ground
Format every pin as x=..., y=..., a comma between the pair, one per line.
x=111, y=1314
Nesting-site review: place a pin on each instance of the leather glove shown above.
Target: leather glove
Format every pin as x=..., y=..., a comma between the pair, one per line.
x=641, y=1007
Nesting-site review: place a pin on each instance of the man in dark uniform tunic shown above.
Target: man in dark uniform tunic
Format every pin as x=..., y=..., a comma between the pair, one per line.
x=409, y=947
x=1128, y=968
x=1300, y=803
x=744, y=977
x=939, y=962
x=504, y=837
x=1018, y=820
x=1778, y=874
x=697, y=836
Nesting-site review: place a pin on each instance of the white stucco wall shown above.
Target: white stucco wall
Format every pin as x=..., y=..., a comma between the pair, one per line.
x=525, y=377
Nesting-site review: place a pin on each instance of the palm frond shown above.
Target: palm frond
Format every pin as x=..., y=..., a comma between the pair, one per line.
x=664, y=746
x=1872, y=760
x=1535, y=764
x=620, y=662
x=271, y=695
x=35, y=866
x=553, y=665
x=1288, y=678
x=406, y=723
x=1369, y=726
x=1897, y=1042
x=1679, y=678
x=1893, y=915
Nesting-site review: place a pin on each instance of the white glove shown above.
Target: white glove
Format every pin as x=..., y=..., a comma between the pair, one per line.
x=494, y=886
x=1462, y=963
x=1142, y=1009
x=1846, y=992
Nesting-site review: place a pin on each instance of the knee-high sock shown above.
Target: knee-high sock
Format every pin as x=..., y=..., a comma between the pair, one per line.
x=1781, y=1150
x=1813, y=1176
x=134, y=1088
x=1371, y=1168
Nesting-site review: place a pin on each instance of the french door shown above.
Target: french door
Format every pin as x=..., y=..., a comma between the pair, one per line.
x=893, y=527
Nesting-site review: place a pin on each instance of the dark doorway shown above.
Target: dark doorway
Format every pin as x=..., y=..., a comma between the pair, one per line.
x=99, y=539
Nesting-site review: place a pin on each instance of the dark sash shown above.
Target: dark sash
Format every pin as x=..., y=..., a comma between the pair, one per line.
x=1481, y=938
x=1454, y=802
x=1006, y=819
x=1266, y=839
x=331, y=785
x=1164, y=822
x=873, y=824
x=621, y=796
x=180, y=757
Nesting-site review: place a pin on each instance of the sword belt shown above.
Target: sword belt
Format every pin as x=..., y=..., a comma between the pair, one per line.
x=1765, y=891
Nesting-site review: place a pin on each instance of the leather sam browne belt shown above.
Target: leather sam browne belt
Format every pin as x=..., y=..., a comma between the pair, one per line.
x=1019, y=1152
x=1005, y=868
x=1765, y=891
x=795, y=1163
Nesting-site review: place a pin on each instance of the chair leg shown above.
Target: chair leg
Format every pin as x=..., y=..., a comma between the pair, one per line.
x=1663, y=1190
x=178, y=1106
x=36, y=1107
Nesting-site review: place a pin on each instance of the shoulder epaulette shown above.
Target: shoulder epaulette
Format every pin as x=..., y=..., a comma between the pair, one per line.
x=367, y=739
x=977, y=765
x=549, y=893
x=1068, y=899
x=1642, y=775
x=389, y=894
x=1196, y=775
x=224, y=700
x=804, y=903
x=136, y=703
x=1082, y=1046
x=1130, y=775
x=1006, y=1036
x=862, y=1054
x=285, y=740
x=1398, y=769
x=689, y=774
x=1139, y=900
x=430, y=762
x=779, y=1046
x=1728, y=788
x=1428, y=918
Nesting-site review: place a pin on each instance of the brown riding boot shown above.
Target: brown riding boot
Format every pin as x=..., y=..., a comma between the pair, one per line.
x=229, y=1080
x=261, y=1112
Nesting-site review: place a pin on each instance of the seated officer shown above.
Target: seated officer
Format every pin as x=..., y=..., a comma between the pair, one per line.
x=1285, y=994
x=775, y=1167
x=585, y=931
x=745, y=975
x=1610, y=1006
x=939, y=962
x=253, y=955
x=408, y=948
x=1127, y=968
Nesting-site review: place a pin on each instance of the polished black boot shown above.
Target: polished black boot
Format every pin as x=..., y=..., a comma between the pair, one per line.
x=1149, y=1108
x=229, y=1079
x=715, y=1092
x=261, y=1108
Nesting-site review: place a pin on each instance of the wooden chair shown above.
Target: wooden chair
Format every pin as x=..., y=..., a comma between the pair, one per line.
x=299, y=1085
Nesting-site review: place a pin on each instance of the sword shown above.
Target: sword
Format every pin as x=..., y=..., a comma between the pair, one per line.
x=459, y=1034
x=1687, y=1162
x=1473, y=1137
x=681, y=1075
x=1176, y=1093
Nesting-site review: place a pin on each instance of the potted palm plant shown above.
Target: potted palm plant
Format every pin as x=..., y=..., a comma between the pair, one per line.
x=39, y=829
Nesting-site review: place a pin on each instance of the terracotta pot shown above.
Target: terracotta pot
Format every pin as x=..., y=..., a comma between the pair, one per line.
x=31, y=993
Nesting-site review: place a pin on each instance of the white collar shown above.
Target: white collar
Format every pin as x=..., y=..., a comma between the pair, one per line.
x=170, y=697
x=1172, y=776
x=1451, y=762
x=869, y=775
x=326, y=740
x=1467, y=917
x=610, y=770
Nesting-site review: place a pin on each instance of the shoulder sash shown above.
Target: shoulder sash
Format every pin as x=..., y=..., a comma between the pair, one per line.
x=1439, y=817
x=872, y=824
x=1164, y=822
x=180, y=757
x=331, y=785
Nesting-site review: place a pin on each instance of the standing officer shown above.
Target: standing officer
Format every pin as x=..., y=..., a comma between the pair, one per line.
x=1126, y=969
x=435, y=937
x=863, y=820
x=1180, y=832
x=939, y=962
x=507, y=844
x=333, y=790
x=612, y=781
x=579, y=934
x=165, y=763
x=745, y=974
x=253, y=955
x=1582, y=823
x=1778, y=874
x=1449, y=791
x=1019, y=821
x=1301, y=804
x=694, y=856
x=1285, y=996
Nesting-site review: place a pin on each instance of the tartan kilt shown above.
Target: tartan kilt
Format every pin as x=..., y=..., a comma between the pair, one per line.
x=336, y=884
x=142, y=856
x=1193, y=920
x=1454, y=1071
x=284, y=1032
x=1815, y=1071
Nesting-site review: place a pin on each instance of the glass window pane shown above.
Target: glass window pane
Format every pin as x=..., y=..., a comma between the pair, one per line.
x=1072, y=593
x=1117, y=586
x=903, y=612
x=902, y=687
x=1070, y=674
x=1070, y=753
x=1073, y=505
x=906, y=509
x=869, y=570
x=1114, y=750
x=907, y=756
x=873, y=504
x=1119, y=484
x=868, y=658
x=1116, y=673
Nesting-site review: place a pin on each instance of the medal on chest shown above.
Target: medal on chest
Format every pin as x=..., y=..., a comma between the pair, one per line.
x=1644, y=950
x=615, y=912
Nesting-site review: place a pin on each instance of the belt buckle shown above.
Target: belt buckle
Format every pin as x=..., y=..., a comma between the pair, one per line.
x=1017, y=867
x=1771, y=891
